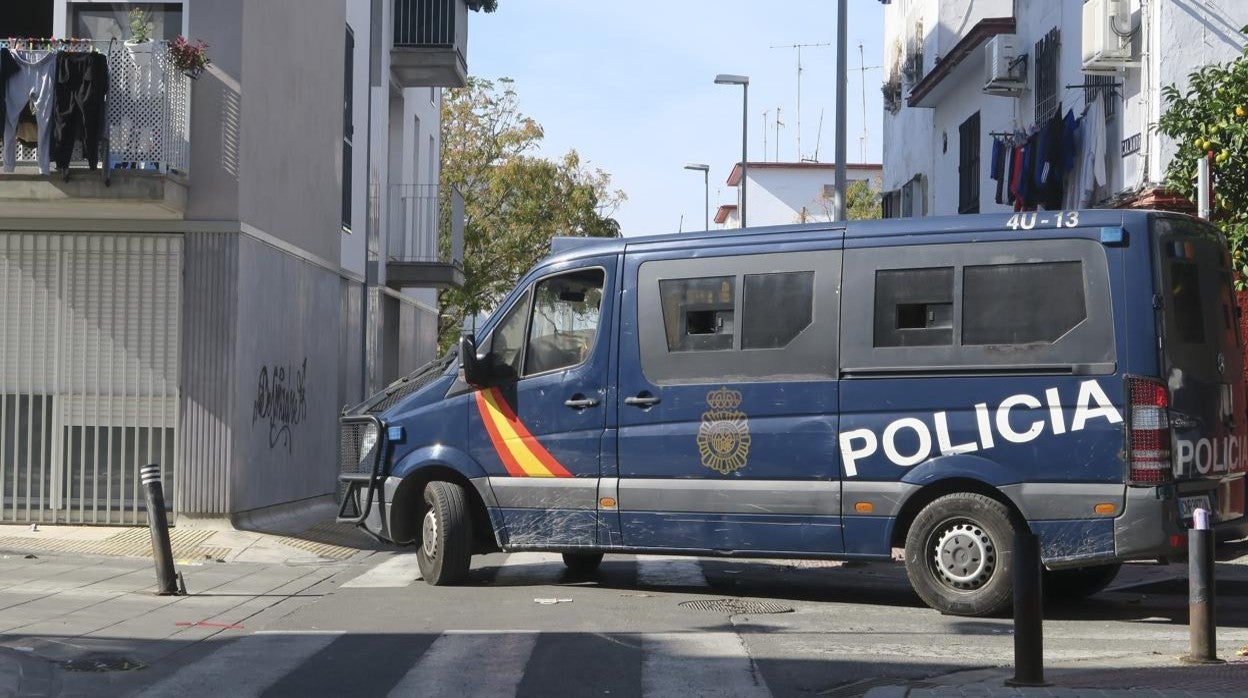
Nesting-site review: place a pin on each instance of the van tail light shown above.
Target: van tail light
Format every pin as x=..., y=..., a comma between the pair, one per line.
x=1148, y=434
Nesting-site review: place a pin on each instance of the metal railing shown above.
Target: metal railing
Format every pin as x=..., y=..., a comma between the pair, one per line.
x=430, y=23
x=149, y=116
x=425, y=223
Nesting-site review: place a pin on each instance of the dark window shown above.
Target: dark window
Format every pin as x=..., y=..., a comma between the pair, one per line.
x=699, y=314
x=1189, y=313
x=348, y=126
x=1103, y=85
x=968, y=165
x=776, y=308
x=1021, y=303
x=914, y=307
x=565, y=321
x=1047, y=52
x=27, y=18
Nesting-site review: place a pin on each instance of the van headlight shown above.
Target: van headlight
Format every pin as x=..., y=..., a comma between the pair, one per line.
x=368, y=440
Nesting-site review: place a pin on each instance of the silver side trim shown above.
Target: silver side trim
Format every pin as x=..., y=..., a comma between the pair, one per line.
x=793, y=497
x=1048, y=501
x=885, y=498
x=545, y=492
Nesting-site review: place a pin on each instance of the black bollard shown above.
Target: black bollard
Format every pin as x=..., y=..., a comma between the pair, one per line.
x=1202, y=626
x=1028, y=612
x=158, y=523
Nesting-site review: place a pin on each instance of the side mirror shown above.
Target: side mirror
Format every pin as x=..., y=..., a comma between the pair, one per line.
x=476, y=372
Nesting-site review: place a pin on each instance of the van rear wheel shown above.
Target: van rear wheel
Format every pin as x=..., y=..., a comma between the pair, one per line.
x=445, y=545
x=958, y=555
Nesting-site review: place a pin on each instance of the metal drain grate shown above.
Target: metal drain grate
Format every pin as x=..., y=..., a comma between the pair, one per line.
x=102, y=663
x=735, y=606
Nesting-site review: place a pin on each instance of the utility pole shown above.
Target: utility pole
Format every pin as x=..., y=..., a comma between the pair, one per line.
x=799, y=48
x=841, y=78
x=779, y=123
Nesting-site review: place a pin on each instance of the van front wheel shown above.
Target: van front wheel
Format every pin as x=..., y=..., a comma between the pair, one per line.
x=445, y=534
x=958, y=555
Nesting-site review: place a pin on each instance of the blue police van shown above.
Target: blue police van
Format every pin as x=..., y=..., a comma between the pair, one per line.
x=832, y=391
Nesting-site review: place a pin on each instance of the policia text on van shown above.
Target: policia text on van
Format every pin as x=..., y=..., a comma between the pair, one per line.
x=832, y=391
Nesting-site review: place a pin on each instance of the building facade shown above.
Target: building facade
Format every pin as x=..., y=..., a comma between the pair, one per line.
x=967, y=79
x=782, y=193
x=257, y=248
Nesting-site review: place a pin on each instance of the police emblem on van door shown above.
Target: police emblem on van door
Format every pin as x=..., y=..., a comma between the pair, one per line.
x=724, y=435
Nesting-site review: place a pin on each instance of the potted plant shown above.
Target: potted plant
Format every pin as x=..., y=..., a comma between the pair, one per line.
x=140, y=41
x=189, y=57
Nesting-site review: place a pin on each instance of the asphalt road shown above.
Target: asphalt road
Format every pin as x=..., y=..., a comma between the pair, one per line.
x=523, y=625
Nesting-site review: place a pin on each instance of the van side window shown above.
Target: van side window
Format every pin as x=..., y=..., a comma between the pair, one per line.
x=565, y=321
x=776, y=308
x=508, y=339
x=748, y=317
x=913, y=307
x=1189, y=312
x=1034, y=305
x=1021, y=303
x=699, y=314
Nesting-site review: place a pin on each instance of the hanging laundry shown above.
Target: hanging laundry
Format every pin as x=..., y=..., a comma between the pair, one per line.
x=81, y=85
x=33, y=81
x=996, y=166
x=1051, y=165
x=27, y=128
x=7, y=67
x=1092, y=163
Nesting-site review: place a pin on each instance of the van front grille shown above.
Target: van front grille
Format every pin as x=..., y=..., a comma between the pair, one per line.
x=349, y=462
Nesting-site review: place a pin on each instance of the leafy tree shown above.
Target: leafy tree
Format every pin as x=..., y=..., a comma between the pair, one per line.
x=483, y=5
x=514, y=200
x=1210, y=119
x=862, y=200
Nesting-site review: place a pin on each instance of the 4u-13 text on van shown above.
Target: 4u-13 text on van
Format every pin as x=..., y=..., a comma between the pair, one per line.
x=832, y=391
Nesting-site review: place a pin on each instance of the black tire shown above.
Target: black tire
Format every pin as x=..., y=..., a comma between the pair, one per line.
x=582, y=563
x=445, y=542
x=958, y=555
x=1078, y=582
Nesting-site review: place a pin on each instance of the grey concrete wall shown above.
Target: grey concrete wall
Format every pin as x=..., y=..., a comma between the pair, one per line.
x=287, y=388
x=292, y=121
x=216, y=104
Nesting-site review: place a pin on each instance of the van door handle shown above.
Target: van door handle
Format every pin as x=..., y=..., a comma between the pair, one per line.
x=580, y=402
x=642, y=399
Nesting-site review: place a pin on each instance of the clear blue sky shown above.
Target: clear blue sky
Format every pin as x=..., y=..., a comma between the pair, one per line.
x=629, y=85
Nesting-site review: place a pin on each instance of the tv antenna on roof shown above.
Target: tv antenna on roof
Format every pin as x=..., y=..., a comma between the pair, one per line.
x=862, y=70
x=799, y=48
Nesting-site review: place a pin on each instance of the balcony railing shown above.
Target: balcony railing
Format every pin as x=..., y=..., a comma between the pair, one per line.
x=148, y=116
x=425, y=235
x=430, y=39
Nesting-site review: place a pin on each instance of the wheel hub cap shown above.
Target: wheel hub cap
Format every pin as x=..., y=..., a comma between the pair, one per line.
x=429, y=534
x=965, y=556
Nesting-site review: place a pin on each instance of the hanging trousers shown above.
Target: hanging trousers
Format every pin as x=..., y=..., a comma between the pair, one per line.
x=81, y=84
x=33, y=82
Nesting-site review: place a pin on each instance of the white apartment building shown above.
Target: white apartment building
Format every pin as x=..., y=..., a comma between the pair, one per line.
x=257, y=248
x=781, y=193
x=963, y=74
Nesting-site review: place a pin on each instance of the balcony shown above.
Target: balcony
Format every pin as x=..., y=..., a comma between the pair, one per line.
x=425, y=237
x=430, y=40
x=143, y=151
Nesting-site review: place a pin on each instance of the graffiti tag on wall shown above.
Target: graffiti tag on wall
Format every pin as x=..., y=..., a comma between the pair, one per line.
x=280, y=400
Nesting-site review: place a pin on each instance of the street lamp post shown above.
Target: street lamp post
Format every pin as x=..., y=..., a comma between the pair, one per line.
x=706, y=191
x=744, y=82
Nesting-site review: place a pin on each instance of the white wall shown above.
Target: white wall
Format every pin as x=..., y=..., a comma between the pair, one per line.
x=777, y=196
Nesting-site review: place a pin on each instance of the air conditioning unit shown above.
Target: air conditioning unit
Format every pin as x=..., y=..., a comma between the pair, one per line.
x=1107, y=36
x=1005, y=73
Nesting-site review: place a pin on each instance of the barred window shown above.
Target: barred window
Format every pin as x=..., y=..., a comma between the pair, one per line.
x=1047, y=53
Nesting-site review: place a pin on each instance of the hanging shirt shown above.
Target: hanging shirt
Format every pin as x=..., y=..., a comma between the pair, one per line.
x=1092, y=161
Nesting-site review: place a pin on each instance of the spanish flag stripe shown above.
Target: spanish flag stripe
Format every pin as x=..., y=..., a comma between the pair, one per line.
x=509, y=462
x=513, y=441
x=529, y=441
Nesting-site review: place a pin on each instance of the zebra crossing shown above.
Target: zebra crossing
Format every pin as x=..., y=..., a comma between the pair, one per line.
x=478, y=663
x=401, y=570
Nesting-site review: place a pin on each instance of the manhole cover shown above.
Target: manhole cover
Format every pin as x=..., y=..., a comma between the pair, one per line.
x=102, y=663
x=734, y=606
